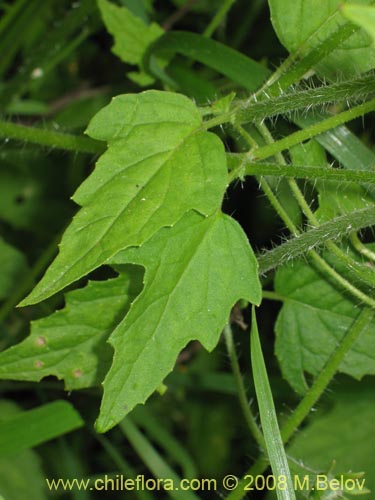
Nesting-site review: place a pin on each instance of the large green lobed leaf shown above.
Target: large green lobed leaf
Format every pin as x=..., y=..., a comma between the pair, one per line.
x=159, y=164
x=195, y=272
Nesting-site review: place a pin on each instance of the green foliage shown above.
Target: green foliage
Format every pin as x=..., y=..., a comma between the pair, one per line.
x=21, y=474
x=207, y=255
x=67, y=343
x=132, y=37
x=14, y=266
x=169, y=167
x=314, y=318
x=303, y=24
x=158, y=260
x=38, y=425
x=275, y=450
x=364, y=16
x=347, y=428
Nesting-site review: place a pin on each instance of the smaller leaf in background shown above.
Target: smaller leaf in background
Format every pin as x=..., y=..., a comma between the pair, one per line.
x=132, y=36
x=13, y=268
x=71, y=344
x=343, y=145
x=159, y=164
x=229, y=62
x=32, y=427
x=363, y=15
x=300, y=25
x=140, y=8
x=271, y=432
x=315, y=316
x=341, y=440
x=335, y=198
x=195, y=272
x=21, y=474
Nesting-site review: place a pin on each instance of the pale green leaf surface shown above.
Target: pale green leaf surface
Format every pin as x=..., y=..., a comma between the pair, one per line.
x=195, y=272
x=314, y=318
x=363, y=15
x=132, y=35
x=13, y=268
x=21, y=475
x=303, y=24
x=71, y=343
x=275, y=448
x=346, y=435
x=159, y=164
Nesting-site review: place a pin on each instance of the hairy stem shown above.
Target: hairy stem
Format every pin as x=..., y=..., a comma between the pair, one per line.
x=246, y=410
x=336, y=228
x=357, y=89
x=272, y=149
x=361, y=248
x=50, y=138
x=240, y=166
x=260, y=106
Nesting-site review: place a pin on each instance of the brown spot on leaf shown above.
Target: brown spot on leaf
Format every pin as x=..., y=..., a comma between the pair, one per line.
x=77, y=373
x=40, y=341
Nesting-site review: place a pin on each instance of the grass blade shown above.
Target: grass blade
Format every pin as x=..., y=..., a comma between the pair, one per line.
x=36, y=426
x=231, y=63
x=153, y=460
x=271, y=432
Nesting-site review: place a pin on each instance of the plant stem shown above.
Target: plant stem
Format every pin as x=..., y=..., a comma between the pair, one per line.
x=246, y=410
x=249, y=110
x=252, y=109
x=313, y=394
x=360, y=247
x=316, y=237
x=319, y=261
x=345, y=284
x=309, y=54
x=218, y=18
x=240, y=166
x=270, y=295
x=325, y=376
x=268, y=191
x=50, y=138
x=272, y=149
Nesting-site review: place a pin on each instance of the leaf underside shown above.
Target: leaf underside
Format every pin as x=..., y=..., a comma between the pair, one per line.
x=159, y=164
x=195, y=272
